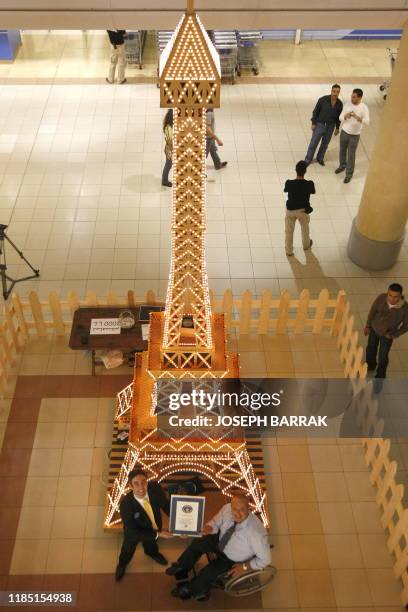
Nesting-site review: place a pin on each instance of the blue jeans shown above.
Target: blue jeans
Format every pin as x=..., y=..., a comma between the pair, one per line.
x=323, y=133
x=378, y=345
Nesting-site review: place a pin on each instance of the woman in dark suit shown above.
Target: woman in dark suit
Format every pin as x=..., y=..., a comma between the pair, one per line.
x=140, y=510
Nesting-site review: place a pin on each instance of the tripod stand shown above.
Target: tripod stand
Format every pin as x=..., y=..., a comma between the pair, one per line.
x=3, y=264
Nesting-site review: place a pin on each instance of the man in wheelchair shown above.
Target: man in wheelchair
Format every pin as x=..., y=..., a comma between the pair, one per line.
x=234, y=535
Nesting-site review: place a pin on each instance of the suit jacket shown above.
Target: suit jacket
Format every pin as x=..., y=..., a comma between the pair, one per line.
x=136, y=522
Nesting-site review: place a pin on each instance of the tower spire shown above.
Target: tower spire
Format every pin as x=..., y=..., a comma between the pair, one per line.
x=190, y=84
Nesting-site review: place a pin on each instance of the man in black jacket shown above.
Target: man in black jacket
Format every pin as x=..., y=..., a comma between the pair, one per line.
x=140, y=510
x=387, y=320
x=117, y=40
x=325, y=121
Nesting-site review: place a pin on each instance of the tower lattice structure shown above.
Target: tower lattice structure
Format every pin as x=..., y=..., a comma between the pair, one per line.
x=189, y=84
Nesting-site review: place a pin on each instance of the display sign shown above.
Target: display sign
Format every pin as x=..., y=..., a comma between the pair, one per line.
x=186, y=514
x=105, y=327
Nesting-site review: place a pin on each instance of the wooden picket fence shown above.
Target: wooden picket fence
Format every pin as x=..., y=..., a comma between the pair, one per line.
x=246, y=315
x=267, y=314
x=281, y=315
x=394, y=517
x=383, y=471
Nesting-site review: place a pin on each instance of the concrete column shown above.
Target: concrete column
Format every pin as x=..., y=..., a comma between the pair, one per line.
x=378, y=230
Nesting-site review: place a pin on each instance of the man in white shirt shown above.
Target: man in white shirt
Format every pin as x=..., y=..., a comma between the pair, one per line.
x=355, y=114
x=239, y=540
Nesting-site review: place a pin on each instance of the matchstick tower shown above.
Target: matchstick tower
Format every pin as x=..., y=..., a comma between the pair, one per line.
x=187, y=341
x=190, y=84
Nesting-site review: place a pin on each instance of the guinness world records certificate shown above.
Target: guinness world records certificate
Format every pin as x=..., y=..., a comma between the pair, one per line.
x=186, y=514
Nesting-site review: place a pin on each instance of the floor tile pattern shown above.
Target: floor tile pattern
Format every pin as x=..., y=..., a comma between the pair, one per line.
x=330, y=550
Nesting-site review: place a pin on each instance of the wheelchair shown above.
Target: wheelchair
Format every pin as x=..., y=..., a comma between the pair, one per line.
x=247, y=584
x=251, y=582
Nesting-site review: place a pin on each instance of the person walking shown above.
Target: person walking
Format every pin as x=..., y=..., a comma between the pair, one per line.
x=386, y=321
x=212, y=141
x=140, y=511
x=168, y=147
x=117, y=40
x=298, y=207
x=354, y=115
x=325, y=120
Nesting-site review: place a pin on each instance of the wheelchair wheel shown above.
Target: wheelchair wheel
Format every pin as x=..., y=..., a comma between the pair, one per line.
x=250, y=582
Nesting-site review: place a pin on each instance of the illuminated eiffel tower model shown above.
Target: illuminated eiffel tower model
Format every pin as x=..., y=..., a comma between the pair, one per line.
x=187, y=341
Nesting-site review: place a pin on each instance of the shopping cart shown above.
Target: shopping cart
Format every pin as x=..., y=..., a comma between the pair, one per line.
x=134, y=45
x=248, y=48
x=225, y=42
x=386, y=84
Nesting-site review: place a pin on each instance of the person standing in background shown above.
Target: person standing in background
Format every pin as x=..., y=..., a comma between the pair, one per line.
x=387, y=320
x=325, y=120
x=212, y=139
x=298, y=207
x=168, y=147
x=117, y=40
x=355, y=114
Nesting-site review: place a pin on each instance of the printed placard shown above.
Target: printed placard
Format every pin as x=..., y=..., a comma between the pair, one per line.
x=103, y=327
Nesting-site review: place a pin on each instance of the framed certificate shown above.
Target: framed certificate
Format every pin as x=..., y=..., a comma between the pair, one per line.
x=186, y=514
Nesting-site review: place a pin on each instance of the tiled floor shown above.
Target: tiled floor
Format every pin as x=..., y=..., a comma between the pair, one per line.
x=330, y=550
x=68, y=54
x=80, y=188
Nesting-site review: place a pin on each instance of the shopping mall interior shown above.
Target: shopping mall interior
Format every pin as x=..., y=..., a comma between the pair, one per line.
x=216, y=270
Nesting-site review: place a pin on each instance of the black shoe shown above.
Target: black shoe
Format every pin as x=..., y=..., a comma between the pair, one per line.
x=310, y=245
x=108, y=81
x=338, y=170
x=160, y=559
x=223, y=164
x=120, y=572
x=182, y=591
x=321, y=162
x=347, y=179
x=122, y=82
x=174, y=569
x=203, y=597
x=168, y=184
